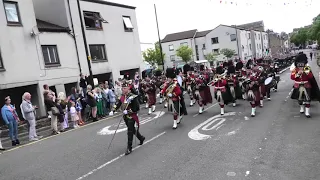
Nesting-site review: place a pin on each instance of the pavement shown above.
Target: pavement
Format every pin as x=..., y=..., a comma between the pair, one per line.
x=278, y=144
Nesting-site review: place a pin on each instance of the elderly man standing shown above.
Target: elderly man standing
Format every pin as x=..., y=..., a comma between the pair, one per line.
x=28, y=112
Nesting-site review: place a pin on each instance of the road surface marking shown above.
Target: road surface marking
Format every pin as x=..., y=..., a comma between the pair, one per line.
x=206, y=109
x=196, y=135
x=117, y=158
x=123, y=127
x=49, y=137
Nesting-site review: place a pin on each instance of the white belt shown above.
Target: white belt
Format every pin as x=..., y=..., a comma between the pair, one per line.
x=302, y=82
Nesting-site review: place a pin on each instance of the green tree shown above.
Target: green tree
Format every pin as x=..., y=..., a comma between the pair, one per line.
x=300, y=37
x=153, y=56
x=314, y=32
x=228, y=52
x=211, y=57
x=185, y=53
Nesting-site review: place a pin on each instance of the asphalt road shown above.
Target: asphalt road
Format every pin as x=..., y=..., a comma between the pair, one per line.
x=277, y=144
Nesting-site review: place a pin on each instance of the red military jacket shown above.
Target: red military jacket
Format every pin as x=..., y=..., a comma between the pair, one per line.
x=304, y=78
x=176, y=92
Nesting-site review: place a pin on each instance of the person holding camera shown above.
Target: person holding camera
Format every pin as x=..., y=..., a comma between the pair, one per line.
x=28, y=112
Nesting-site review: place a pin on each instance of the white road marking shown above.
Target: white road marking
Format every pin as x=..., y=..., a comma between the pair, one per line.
x=117, y=158
x=231, y=174
x=231, y=133
x=246, y=118
x=196, y=135
x=123, y=127
x=247, y=173
x=206, y=109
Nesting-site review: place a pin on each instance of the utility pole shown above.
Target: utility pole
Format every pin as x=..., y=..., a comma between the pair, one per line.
x=90, y=78
x=235, y=27
x=160, y=46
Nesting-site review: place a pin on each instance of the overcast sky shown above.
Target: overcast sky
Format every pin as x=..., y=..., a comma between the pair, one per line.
x=182, y=15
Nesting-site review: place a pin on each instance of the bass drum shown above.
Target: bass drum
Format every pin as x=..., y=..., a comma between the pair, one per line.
x=268, y=81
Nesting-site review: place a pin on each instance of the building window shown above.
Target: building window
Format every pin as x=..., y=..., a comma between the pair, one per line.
x=255, y=35
x=93, y=20
x=250, y=46
x=50, y=55
x=184, y=44
x=257, y=46
x=260, y=46
x=128, y=27
x=172, y=57
x=259, y=36
x=242, y=48
x=215, y=50
x=203, y=46
x=1, y=64
x=98, y=52
x=215, y=40
x=12, y=12
x=249, y=37
x=171, y=47
x=233, y=37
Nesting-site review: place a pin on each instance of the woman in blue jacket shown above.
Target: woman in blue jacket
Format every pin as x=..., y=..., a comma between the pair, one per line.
x=11, y=119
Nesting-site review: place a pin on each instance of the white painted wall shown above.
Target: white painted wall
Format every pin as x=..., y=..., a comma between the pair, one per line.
x=176, y=45
x=223, y=33
x=200, y=41
x=122, y=48
x=246, y=52
x=23, y=59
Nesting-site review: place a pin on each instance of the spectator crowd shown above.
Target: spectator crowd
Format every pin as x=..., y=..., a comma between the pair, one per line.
x=83, y=103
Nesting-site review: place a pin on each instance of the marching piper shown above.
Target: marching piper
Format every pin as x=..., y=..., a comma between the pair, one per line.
x=233, y=84
x=262, y=76
x=190, y=82
x=150, y=89
x=305, y=86
x=253, y=93
x=173, y=92
x=129, y=105
x=221, y=93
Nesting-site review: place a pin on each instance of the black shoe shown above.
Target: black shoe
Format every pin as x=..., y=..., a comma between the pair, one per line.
x=14, y=143
x=95, y=119
x=17, y=142
x=2, y=149
x=128, y=151
x=142, y=140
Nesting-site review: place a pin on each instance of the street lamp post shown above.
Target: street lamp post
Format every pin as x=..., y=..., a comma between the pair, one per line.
x=160, y=46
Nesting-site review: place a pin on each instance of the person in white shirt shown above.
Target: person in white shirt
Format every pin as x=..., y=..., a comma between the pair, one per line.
x=73, y=114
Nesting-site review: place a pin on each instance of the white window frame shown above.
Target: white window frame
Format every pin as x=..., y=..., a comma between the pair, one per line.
x=102, y=49
x=233, y=39
x=172, y=58
x=217, y=42
x=1, y=62
x=128, y=26
x=184, y=44
x=52, y=60
x=96, y=17
x=7, y=13
x=213, y=50
x=171, y=47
